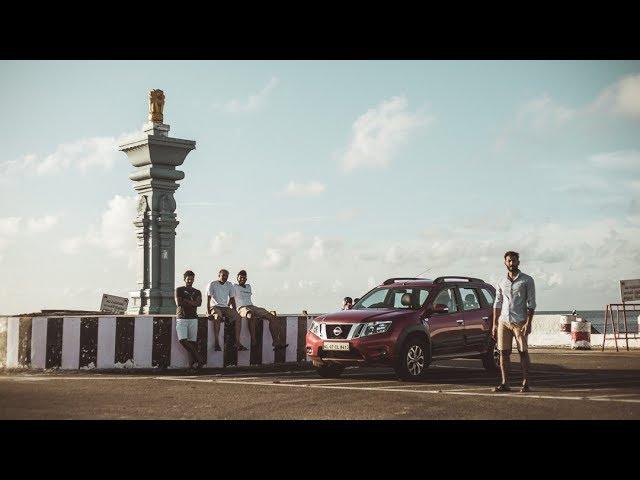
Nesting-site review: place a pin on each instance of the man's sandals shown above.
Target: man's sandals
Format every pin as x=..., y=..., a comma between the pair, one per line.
x=506, y=388
x=502, y=388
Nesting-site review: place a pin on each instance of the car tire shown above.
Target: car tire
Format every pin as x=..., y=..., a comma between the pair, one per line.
x=491, y=359
x=413, y=361
x=330, y=371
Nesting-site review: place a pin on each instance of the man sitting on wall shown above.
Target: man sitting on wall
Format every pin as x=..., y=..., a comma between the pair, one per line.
x=253, y=313
x=225, y=306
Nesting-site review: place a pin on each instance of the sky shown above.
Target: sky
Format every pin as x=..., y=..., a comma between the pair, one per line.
x=324, y=178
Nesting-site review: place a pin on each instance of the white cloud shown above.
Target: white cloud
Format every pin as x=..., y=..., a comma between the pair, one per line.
x=290, y=240
x=622, y=98
x=9, y=225
x=72, y=244
x=323, y=249
x=276, y=259
x=308, y=285
x=114, y=233
x=543, y=113
x=286, y=246
x=82, y=154
x=378, y=134
x=620, y=160
x=294, y=189
x=38, y=225
x=316, y=252
x=222, y=243
x=10, y=228
x=253, y=102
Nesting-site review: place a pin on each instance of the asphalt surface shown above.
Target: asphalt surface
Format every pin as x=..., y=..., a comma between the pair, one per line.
x=565, y=384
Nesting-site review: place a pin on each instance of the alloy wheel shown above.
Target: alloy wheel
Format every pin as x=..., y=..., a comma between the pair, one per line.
x=415, y=360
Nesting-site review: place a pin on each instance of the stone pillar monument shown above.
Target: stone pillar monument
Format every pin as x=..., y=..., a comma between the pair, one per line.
x=156, y=156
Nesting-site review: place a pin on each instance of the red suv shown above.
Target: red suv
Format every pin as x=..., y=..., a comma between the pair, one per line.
x=406, y=323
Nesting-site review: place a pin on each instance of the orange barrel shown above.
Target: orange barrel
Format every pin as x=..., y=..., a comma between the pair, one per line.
x=565, y=323
x=581, y=335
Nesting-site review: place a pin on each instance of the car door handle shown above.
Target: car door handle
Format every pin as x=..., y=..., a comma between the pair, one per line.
x=485, y=318
x=459, y=322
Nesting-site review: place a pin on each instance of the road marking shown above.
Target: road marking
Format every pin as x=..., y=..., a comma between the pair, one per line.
x=310, y=379
x=442, y=392
x=36, y=379
x=614, y=400
x=355, y=383
x=592, y=354
x=612, y=381
x=186, y=379
x=616, y=395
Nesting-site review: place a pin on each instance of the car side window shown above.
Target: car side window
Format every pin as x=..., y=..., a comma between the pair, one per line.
x=488, y=296
x=376, y=298
x=397, y=298
x=469, y=299
x=448, y=298
x=423, y=296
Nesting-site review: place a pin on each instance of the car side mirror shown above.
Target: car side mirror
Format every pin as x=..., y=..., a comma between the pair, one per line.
x=440, y=308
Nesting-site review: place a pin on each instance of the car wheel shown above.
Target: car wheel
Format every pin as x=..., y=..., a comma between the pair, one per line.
x=413, y=360
x=491, y=359
x=330, y=371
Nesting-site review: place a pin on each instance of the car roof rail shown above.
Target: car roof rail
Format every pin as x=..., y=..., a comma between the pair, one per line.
x=446, y=278
x=389, y=281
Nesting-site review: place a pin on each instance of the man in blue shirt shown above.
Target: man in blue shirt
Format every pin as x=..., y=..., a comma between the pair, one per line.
x=513, y=311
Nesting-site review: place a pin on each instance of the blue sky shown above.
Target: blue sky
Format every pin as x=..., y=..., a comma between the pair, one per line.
x=323, y=178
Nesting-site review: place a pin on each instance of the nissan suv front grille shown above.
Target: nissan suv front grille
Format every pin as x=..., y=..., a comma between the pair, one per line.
x=337, y=331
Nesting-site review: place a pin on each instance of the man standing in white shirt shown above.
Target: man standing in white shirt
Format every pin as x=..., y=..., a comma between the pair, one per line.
x=513, y=311
x=253, y=313
x=222, y=293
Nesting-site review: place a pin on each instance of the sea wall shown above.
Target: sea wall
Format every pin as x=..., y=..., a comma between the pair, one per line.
x=137, y=341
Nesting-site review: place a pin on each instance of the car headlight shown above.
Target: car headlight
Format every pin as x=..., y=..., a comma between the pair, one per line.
x=315, y=328
x=372, y=328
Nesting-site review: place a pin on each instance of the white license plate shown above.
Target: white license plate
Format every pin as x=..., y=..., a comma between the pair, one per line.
x=336, y=346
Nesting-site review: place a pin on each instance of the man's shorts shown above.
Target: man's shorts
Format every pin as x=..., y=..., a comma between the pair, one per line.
x=187, y=328
x=507, y=331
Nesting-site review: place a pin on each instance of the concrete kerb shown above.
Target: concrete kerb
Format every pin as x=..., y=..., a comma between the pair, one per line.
x=281, y=367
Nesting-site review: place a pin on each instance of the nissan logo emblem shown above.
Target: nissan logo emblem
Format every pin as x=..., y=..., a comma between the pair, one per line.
x=337, y=331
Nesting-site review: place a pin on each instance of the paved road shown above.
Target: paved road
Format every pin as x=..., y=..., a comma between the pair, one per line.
x=565, y=385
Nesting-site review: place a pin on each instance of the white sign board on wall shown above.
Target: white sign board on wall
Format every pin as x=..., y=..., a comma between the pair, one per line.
x=113, y=304
x=630, y=290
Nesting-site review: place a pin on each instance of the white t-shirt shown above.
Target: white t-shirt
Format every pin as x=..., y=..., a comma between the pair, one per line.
x=243, y=295
x=220, y=292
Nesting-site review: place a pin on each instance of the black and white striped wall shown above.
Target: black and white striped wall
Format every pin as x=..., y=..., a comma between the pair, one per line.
x=110, y=342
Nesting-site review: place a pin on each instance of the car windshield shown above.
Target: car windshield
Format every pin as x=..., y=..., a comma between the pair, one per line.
x=408, y=298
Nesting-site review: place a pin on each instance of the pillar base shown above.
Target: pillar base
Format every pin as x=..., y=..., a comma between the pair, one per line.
x=139, y=302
